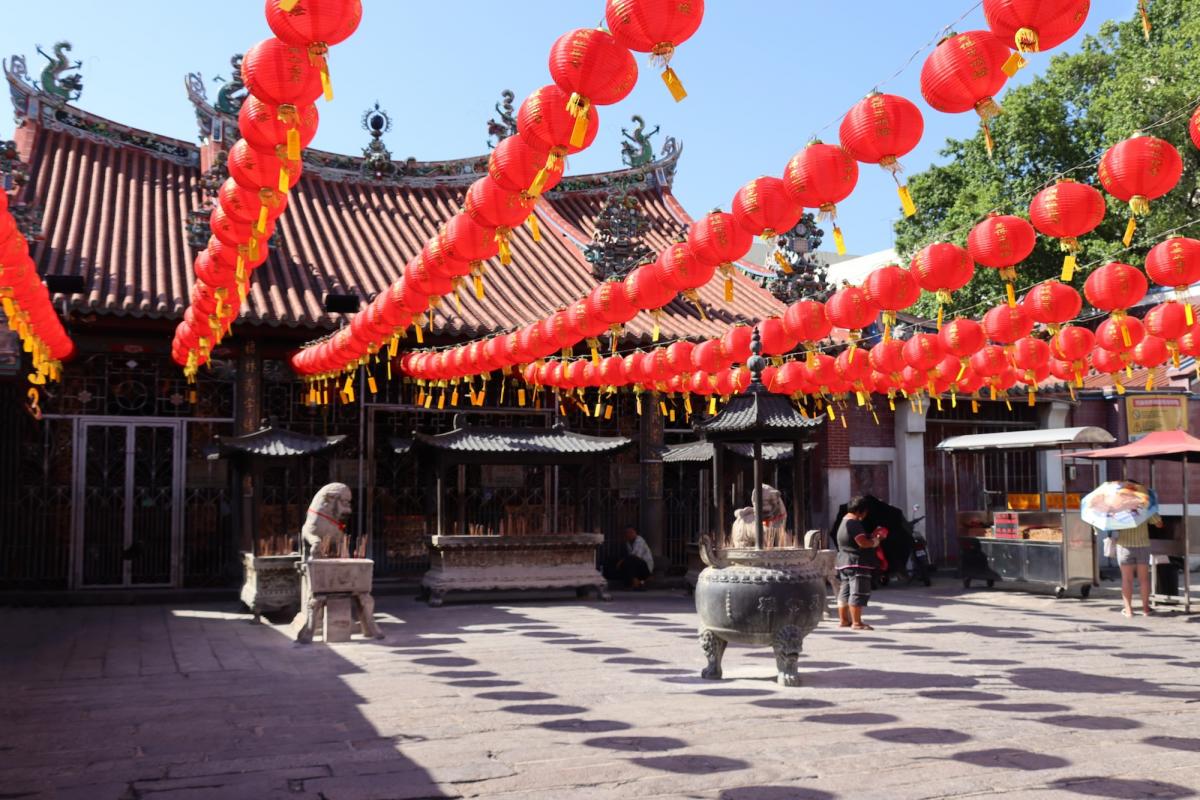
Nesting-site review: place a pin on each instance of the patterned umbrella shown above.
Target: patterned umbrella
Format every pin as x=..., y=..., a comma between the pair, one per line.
x=1119, y=505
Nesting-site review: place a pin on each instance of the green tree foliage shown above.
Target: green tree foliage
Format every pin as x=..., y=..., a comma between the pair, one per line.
x=1087, y=101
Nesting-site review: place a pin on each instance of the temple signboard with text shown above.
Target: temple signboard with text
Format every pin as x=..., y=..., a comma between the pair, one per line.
x=1155, y=412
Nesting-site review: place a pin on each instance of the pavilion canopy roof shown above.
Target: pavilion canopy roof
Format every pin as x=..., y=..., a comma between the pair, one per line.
x=702, y=451
x=1041, y=439
x=556, y=445
x=757, y=414
x=272, y=442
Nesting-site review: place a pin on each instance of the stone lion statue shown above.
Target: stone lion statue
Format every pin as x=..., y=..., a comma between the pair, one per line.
x=774, y=518
x=324, y=528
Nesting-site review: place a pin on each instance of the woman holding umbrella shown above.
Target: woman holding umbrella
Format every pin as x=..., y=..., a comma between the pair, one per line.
x=1128, y=508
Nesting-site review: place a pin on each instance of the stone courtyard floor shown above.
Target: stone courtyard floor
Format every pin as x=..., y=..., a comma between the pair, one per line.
x=956, y=694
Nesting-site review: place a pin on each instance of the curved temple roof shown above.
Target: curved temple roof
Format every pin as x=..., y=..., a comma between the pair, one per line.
x=271, y=442
x=117, y=201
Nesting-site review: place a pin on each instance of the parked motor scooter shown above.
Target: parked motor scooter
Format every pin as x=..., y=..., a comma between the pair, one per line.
x=921, y=570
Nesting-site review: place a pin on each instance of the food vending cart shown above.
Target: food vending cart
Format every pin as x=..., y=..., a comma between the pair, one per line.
x=1036, y=538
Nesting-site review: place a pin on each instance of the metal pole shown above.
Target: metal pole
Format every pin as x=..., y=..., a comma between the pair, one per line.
x=953, y=512
x=441, y=500
x=797, y=520
x=1187, y=580
x=758, y=512
x=1153, y=570
x=1062, y=466
x=555, y=521
x=362, y=419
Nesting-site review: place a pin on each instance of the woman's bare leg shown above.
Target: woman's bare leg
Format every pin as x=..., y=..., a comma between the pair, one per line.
x=1127, y=589
x=1143, y=576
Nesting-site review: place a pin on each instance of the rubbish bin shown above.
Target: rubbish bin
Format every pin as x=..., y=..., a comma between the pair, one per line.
x=1166, y=578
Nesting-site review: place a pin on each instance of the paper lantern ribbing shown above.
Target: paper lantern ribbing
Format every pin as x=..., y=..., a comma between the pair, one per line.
x=546, y=124
x=656, y=27
x=820, y=176
x=1034, y=25
x=1052, y=303
x=1167, y=321
x=881, y=129
x=942, y=268
x=267, y=126
x=709, y=357
x=1137, y=171
x=1002, y=241
x=280, y=74
x=592, y=67
x=1031, y=356
x=515, y=165
x=965, y=72
x=851, y=308
x=647, y=291
x=735, y=344
x=892, y=288
x=1112, y=364
x=1066, y=211
x=1114, y=288
x=1150, y=352
x=776, y=340
x=807, y=322
x=717, y=240
x=1006, y=324
x=491, y=206
x=1176, y=263
x=1120, y=335
x=962, y=338
x=1072, y=344
x=856, y=372
x=315, y=25
x=1194, y=127
x=763, y=207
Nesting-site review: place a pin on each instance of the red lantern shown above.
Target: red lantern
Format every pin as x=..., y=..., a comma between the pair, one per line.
x=1002, y=241
x=422, y=279
x=852, y=309
x=515, y=164
x=709, y=356
x=942, y=268
x=646, y=290
x=717, y=239
x=1066, y=211
x=315, y=25
x=1111, y=363
x=855, y=371
x=881, y=129
x=789, y=378
x=700, y=383
x=821, y=372
x=1072, y=344
x=807, y=322
x=1034, y=25
x=776, y=340
x=1138, y=170
x=280, y=74
x=683, y=272
x=1120, y=335
x=493, y=207
x=440, y=260
x=735, y=344
x=608, y=303
x=467, y=240
x=1176, y=262
x=1005, y=324
x=612, y=371
x=923, y=352
x=1031, y=356
x=1114, y=288
x=593, y=67
x=821, y=176
x=888, y=357
x=545, y=122
x=1151, y=352
x=891, y=288
x=965, y=72
x=266, y=126
x=990, y=361
x=214, y=273
x=1052, y=303
x=763, y=207
x=255, y=170
x=679, y=357
x=1168, y=321
x=656, y=27
x=1194, y=128
x=962, y=337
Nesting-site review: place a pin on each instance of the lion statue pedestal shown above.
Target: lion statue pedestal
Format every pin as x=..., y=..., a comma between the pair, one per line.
x=332, y=586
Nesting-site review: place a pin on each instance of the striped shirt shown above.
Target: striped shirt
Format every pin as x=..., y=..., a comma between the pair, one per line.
x=1134, y=537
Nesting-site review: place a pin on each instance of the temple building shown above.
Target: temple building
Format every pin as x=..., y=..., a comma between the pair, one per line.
x=115, y=477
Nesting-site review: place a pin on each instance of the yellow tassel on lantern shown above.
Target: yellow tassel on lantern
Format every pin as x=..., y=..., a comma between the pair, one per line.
x=674, y=86
x=608, y=412
x=783, y=263
x=1068, y=269
x=1144, y=11
x=656, y=314
x=906, y=201
x=1012, y=297
x=579, y=106
x=839, y=241
x=261, y=226
x=287, y=5
x=521, y=397
x=1127, y=239
x=534, y=228
x=284, y=180
x=502, y=244
x=417, y=331
x=712, y=406
x=1015, y=62
x=831, y=412
x=1120, y=388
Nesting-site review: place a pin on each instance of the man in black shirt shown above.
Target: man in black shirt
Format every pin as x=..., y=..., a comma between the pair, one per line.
x=855, y=563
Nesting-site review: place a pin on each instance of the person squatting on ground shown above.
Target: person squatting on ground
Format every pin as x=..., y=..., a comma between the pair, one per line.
x=856, y=562
x=1133, y=556
x=637, y=564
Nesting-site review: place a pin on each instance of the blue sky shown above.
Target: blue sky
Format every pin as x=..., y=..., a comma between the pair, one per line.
x=762, y=77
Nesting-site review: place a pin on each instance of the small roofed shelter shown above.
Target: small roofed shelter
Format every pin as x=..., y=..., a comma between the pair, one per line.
x=270, y=444
x=757, y=417
x=496, y=558
x=1179, y=446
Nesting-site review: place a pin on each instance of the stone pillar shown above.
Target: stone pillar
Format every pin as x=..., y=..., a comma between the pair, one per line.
x=650, y=484
x=910, y=463
x=247, y=417
x=1052, y=415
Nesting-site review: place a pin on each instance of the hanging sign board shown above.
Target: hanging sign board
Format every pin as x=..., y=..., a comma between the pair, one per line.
x=1155, y=412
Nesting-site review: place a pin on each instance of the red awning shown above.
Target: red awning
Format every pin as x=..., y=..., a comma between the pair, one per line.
x=1165, y=445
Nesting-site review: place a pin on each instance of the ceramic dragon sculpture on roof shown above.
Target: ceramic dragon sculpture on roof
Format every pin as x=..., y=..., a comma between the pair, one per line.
x=64, y=87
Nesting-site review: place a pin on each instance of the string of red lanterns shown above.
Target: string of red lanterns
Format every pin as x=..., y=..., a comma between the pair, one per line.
x=26, y=301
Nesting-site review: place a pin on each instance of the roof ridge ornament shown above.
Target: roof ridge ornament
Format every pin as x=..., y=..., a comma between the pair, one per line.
x=65, y=88
x=506, y=126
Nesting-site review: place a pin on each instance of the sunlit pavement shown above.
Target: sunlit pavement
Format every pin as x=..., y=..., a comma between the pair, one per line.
x=954, y=694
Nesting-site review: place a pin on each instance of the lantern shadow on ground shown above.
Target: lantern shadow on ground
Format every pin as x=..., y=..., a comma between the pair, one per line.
x=919, y=736
x=957, y=694
x=1122, y=789
x=1174, y=743
x=852, y=718
x=1064, y=680
x=1011, y=758
x=875, y=680
x=692, y=764
x=585, y=725
x=1085, y=722
x=1024, y=708
x=774, y=793
x=636, y=744
x=792, y=704
x=544, y=710
x=634, y=660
